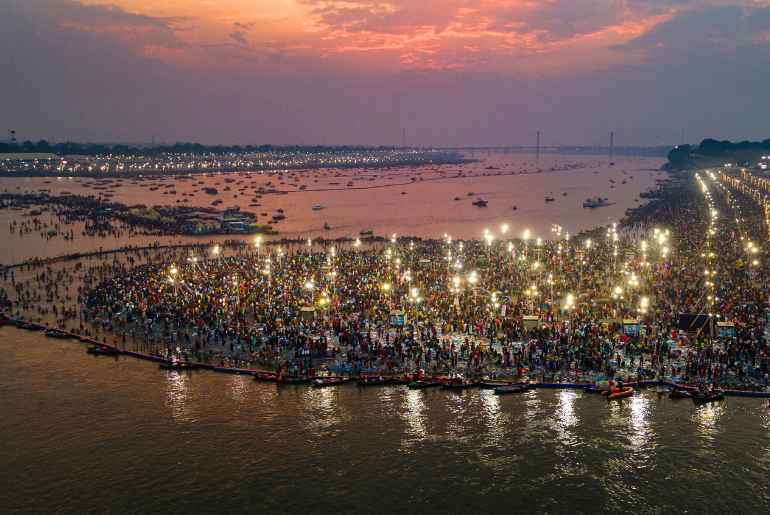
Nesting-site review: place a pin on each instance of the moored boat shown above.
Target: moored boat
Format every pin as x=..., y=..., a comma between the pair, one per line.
x=514, y=388
x=267, y=377
x=102, y=350
x=177, y=365
x=322, y=382
x=491, y=384
x=699, y=398
x=459, y=384
x=55, y=333
x=622, y=394
x=377, y=381
x=29, y=326
x=418, y=385
x=679, y=393
x=292, y=380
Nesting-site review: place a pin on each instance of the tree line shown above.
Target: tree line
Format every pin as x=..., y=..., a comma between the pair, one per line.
x=93, y=149
x=685, y=156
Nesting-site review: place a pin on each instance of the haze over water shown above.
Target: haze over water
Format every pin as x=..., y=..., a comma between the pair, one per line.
x=374, y=201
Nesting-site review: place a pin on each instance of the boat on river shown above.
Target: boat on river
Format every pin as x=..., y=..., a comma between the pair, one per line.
x=55, y=333
x=700, y=398
x=323, y=382
x=102, y=350
x=177, y=365
x=293, y=380
x=628, y=391
x=377, y=381
x=594, y=202
x=459, y=384
x=419, y=385
x=266, y=377
x=679, y=393
x=514, y=388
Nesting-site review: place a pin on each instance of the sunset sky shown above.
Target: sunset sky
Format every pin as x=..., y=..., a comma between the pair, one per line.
x=453, y=72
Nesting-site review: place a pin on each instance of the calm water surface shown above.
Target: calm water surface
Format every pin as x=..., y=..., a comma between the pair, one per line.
x=394, y=204
x=100, y=435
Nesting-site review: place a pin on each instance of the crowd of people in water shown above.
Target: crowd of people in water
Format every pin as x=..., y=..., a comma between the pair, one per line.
x=678, y=290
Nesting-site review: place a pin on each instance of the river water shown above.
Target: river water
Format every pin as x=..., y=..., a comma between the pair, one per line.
x=385, y=201
x=101, y=435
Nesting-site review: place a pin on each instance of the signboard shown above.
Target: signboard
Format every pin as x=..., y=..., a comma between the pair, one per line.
x=531, y=321
x=397, y=319
x=692, y=321
x=726, y=330
x=307, y=313
x=631, y=328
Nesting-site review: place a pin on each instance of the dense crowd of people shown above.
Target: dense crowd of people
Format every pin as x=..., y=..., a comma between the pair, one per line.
x=607, y=302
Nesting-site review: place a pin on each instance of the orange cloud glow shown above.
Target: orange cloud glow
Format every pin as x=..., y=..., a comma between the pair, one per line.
x=515, y=36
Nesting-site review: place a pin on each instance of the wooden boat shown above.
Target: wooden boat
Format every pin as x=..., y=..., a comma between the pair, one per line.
x=102, y=350
x=491, y=384
x=292, y=380
x=700, y=398
x=266, y=377
x=418, y=385
x=459, y=385
x=377, y=381
x=28, y=326
x=679, y=393
x=177, y=365
x=55, y=333
x=323, y=382
x=595, y=202
x=480, y=203
x=514, y=388
x=622, y=394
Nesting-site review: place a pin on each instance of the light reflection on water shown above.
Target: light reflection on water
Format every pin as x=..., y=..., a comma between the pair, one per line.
x=177, y=394
x=566, y=419
x=247, y=446
x=494, y=419
x=413, y=415
x=707, y=418
x=640, y=433
x=320, y=408
x=532, y=405
x=239, y=387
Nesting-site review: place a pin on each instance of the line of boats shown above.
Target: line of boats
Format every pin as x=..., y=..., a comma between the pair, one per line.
x=500, y=387
x=675, y=391
x=591, y=202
